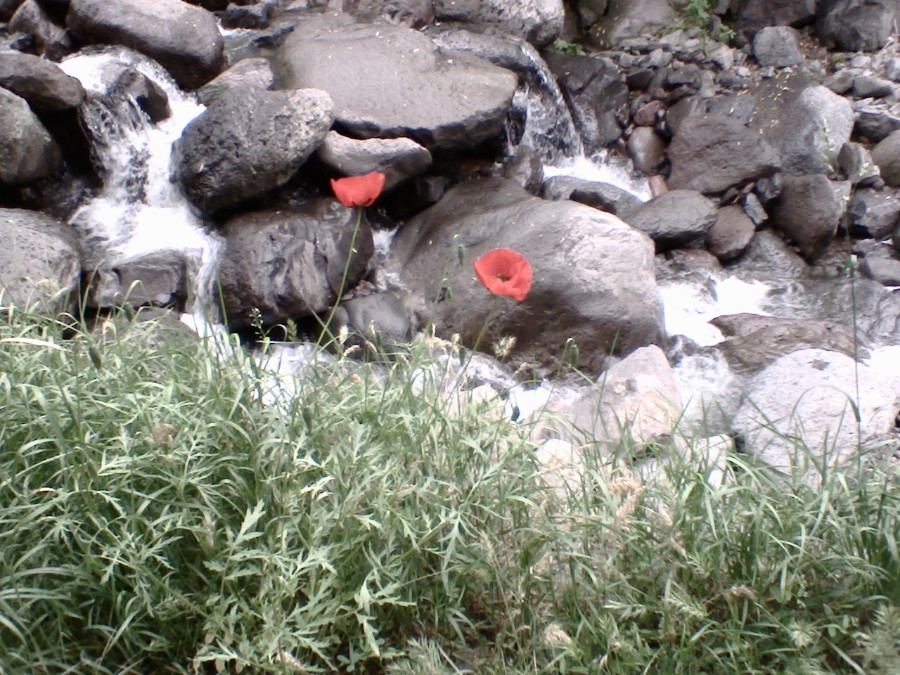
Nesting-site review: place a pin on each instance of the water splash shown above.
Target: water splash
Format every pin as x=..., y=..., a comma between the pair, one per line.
x=139, y=210
x=690, y=306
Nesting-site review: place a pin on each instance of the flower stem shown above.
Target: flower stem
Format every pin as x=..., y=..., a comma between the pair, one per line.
x=326, y=326
x=487, y=322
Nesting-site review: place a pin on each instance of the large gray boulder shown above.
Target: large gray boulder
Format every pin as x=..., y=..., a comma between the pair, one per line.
x=711, y=153
x=806, y=123
x=289, y=263
x=674, y=218
x=752, y=15
x=27, y=151
x=808, y=212
x=777, y=46
x=801, y=410
x=538, y=21
x=248, y=142
x=40, y=82
x=857, y=25
x=873, y=213
x=594, y=280
x=39, y=259
x=389, y=81
x=183, y=38
x=254, y=72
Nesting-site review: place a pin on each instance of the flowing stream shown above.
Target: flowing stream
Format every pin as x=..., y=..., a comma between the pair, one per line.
x=139, y=211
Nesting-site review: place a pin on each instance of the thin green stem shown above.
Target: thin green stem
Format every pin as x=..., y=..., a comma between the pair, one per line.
x=326, y=326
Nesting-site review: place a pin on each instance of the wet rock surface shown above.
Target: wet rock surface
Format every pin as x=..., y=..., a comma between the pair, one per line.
x=40, y=261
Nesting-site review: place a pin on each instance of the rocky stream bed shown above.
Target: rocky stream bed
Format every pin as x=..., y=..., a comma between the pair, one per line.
x=162, y=154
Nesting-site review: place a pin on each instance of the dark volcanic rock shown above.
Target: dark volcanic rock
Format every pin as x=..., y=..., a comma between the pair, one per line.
x=250, y=73
x=40, y=82
x=39, y=259
x=27, y=151
x=777, y=46
x=601, y=196
x=731, y=234
x=596, y=92
x=397, y=158
x=711, y=153
x=248, y=142
x=873, y=213
x=288, y=263
x=808, y=213
x=754, y=15
x=538, y=21
x=886, y=156
x=857, y=25
x=755, y=341
x=805, y=122
x=674, y=218
x=46, y=36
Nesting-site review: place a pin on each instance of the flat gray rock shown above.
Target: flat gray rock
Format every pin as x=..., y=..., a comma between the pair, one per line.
x=674, y=218
x=389, y=81
x=397, y=158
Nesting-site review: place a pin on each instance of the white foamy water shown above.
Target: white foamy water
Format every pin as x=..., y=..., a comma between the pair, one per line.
x=139, y=211
x=604, y=167
x=689, y=306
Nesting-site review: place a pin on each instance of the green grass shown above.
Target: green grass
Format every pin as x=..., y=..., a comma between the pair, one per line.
x=157, y=517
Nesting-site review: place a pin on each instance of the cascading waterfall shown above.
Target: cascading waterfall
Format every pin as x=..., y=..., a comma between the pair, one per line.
x=139, y=211
x=548, y=127
x=550, y=130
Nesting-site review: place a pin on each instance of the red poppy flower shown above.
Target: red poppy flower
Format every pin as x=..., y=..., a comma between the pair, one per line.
x=504, y=272
x=358, y=190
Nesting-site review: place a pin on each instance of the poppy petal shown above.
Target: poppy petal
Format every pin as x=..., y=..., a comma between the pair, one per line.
x=354, y=191
x=504, y=272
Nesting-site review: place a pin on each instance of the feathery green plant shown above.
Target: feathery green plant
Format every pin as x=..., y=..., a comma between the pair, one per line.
x=157, y=515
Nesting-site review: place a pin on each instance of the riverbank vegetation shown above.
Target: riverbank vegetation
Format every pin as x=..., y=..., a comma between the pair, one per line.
x=162, y=510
